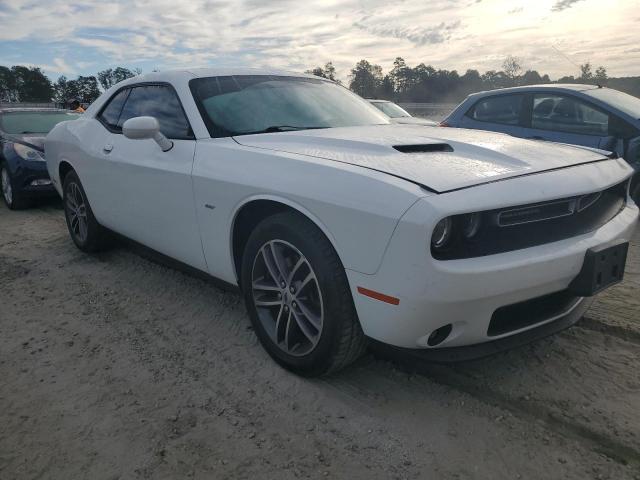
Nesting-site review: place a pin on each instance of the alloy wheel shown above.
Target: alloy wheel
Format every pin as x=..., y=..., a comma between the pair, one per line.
x=77, y=211
x=7, y=191
x=287, y=297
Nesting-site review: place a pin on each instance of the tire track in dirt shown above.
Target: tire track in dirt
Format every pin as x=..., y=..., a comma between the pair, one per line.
x=623, y=333
x=529, y=411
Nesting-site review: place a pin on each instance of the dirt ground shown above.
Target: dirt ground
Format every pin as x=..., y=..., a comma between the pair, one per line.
x=117, y=367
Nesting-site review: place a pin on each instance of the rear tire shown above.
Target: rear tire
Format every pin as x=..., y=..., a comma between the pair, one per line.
x=88, y=235
x=305, y=318
x=13, y=199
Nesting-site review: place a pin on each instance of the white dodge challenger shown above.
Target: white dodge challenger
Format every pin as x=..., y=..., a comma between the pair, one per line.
x=339, y=227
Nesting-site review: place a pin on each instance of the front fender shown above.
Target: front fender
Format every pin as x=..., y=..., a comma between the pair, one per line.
x=356, y=208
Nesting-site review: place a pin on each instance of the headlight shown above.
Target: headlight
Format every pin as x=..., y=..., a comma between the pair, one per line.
x=442, y=233
x=28, y=153
x=471, y=225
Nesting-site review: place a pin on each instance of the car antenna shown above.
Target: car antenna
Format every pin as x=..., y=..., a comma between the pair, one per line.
x=565, y=56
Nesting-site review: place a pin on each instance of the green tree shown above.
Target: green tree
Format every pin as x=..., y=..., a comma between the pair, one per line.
x=586, y=74
x=84, y=89
x=8, y=86
x=111, y=76
x=25, y=84
x=328, y=71
x=87, y=88
x=365, y=79
x=401, y=75
x=531, y=77
x=601, y=74
x=65, y=90
x=512, y=66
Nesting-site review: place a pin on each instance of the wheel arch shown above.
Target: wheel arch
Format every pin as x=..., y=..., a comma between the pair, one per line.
x=252, y=211
x=64, y=168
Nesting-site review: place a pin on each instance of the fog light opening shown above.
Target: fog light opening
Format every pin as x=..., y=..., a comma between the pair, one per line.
x=439, y=335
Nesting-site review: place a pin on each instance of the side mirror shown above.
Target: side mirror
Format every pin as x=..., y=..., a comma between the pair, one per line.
x=633, y=153
x=142, y=128
x=612, y=144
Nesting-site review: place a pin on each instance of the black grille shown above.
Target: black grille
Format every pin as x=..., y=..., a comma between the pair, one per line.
x=524, y=314
x=535, y=224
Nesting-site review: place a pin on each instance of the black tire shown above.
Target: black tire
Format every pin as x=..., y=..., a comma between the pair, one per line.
x=95, y=238
x=16, y=200
x=341, y=340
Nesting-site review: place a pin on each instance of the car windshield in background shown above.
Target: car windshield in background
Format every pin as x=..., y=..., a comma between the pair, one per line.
x=246, y=104
x=622, y=101
x=20, y=123
x=391, y=109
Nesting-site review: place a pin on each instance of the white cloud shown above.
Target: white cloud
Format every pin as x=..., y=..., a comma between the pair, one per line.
x=453, y=34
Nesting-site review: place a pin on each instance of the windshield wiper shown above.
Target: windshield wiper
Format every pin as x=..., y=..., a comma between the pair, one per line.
x=278, y=128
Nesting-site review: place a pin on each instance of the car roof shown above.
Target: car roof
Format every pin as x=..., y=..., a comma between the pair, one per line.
x=191, y=73
x=573, y=87
x=28, y=109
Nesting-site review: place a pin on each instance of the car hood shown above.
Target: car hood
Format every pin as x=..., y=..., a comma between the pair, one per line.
x=440, y=159
x=414, y=121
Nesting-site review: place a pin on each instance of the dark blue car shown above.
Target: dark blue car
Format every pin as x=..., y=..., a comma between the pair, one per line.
x=23, y=170
x=587, y=115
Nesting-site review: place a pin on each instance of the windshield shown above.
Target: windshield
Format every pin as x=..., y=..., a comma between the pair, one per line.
x=622, y=101
x=17, y=123
x=391, y=109
x=245, y=104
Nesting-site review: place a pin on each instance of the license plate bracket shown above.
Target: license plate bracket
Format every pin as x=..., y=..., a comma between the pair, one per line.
x=602, y=267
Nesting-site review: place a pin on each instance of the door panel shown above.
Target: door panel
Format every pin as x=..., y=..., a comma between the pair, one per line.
x=140, y=191
x=151, y=196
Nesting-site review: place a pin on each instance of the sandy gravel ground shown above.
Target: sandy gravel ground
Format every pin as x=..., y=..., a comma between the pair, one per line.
x=117, y=367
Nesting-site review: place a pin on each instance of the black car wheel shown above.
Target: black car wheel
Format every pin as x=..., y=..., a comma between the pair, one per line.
x=85, y=231
x=298, y=297
x=10, y=194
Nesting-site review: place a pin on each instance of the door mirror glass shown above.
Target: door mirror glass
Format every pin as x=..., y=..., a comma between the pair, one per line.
x=142, y=128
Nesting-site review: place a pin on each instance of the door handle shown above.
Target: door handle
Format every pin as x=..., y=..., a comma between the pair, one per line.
x=107, y=148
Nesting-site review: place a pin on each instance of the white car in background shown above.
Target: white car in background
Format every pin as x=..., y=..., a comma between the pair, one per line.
x=339, y=226
x=397, y=114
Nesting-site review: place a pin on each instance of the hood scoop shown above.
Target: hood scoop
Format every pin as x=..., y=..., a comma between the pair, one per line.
x=424, y=148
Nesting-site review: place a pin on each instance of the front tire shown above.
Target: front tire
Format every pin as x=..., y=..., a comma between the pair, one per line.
x=12, y=198
x=298, y=297
x=85, y=231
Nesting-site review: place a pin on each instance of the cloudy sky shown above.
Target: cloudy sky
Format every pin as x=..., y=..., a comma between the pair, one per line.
x=74, y=37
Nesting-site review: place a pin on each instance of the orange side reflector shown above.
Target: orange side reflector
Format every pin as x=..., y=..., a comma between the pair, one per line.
x=379, y=296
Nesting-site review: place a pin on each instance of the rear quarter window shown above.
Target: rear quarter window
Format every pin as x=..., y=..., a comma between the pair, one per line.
x=502, y=109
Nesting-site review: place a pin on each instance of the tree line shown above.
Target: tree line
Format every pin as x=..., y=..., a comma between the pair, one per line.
x=403, y=83
x=30, y=84
x=426, y=84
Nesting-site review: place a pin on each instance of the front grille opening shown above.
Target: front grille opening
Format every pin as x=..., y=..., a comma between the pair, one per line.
x=424, y=148
x=524, y=314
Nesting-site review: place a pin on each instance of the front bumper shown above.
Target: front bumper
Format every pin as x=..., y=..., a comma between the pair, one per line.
x=32, y=179
x=466, y=293
x=479, y=350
